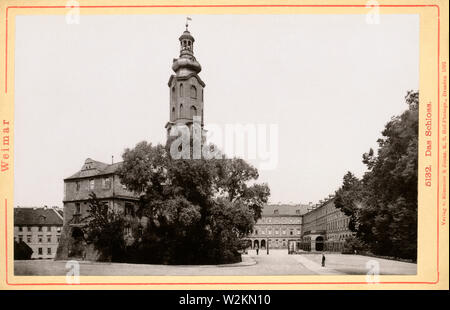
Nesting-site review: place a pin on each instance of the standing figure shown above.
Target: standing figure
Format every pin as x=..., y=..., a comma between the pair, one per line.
x=323, y=260
x=257, y=249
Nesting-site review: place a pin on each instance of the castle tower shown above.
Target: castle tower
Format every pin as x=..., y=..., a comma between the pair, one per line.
x=186, y=87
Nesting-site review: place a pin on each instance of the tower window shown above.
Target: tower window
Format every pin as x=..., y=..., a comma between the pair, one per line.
x=193, y=111
x=173, y=113
x=181, y=111
x=193, y=92
x=181, y=90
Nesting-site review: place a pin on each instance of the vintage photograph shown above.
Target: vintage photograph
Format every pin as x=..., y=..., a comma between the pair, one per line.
x=200, y=145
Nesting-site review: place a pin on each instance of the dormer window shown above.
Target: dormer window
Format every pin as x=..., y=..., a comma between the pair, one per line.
x=275, y=211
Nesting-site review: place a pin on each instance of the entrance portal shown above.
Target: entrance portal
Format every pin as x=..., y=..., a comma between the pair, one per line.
x=263, y=244
x=76, y=245
x=319, y=243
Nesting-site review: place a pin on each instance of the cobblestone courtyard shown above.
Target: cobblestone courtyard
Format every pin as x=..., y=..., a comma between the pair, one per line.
x=278, y=262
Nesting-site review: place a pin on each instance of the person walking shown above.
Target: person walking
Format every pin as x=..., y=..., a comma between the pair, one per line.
x=323, y=260
x=257, y=249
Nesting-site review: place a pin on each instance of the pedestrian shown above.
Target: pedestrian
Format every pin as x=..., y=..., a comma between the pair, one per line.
x=257, y=250
x=323, y=260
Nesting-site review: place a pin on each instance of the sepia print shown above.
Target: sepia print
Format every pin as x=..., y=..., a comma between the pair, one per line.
x=203, y=144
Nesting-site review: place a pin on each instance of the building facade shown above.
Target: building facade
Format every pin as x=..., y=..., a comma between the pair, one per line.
x=325, y=228
x=102, y=180
x=40, y=229
x=320, y=227
x=278, y=226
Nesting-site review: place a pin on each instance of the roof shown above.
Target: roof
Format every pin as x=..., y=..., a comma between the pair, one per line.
x=284, y=209
x=37, y=216
x=93, y=168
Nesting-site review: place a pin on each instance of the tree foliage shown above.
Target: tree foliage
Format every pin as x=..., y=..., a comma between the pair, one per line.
x=198, y=209
x=383, y=204
x=105, y=230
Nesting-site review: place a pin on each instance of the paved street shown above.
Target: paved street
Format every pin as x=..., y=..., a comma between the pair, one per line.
x=278, y=262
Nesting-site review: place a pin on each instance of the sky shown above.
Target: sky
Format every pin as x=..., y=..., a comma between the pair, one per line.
x=329, y=83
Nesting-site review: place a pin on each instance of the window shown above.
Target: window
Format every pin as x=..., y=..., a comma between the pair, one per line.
x=78, y=186
x=49, y=239
x=129, y=209
x=180, y=113
x=91, y=184
x=44, y=228
x=49, y=251
x=173, y=113
x=256, y=232
x=297, y=211
x=291, y=233
x=193, y=111
x=77, y=208
x=193, y=92
x=269, y=232
x=39, y=228
x=275, y=211
x=28, y=239
x=40, y=239
x=20, y=228
x=58, y=229
x=284, y=232
x=276, y=232
x=20, y=238
x=40, y=251
x=106, y=182
x=128, y=231
x=29, y=228
x=181, y=90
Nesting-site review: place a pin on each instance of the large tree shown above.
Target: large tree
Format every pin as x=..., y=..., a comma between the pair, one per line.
x=198, y=209
x=384, y=202
x=105, y=230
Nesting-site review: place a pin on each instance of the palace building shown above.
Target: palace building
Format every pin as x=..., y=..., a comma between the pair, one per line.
x=320, y=227
x=279, y=224
x=325, y=228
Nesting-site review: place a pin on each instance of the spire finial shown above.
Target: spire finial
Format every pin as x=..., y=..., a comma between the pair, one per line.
x=187, y=22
